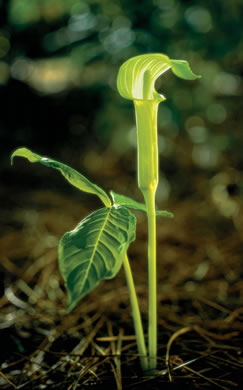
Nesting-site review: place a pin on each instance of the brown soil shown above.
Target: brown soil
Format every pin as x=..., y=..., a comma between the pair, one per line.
x=200, y=296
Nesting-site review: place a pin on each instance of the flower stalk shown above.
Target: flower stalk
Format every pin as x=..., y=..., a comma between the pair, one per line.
x=148, y=177
x=136, y=81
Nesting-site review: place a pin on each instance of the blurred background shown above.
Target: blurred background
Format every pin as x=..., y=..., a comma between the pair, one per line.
x=59, y=61
x=58, y=66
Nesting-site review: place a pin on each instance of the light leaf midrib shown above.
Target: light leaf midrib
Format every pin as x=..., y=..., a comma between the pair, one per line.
x=96, y=245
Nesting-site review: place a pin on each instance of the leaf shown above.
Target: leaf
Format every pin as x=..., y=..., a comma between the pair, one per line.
x=71, y=175
x=95, y=250
x=164, y=213
x=137, y=76
x=122, y=200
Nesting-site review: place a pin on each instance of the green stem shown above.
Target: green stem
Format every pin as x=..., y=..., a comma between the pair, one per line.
x=148, y=177
x=149, y=197
x=136, y=315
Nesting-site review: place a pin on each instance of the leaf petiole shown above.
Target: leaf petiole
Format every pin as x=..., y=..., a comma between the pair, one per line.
x=136, y=315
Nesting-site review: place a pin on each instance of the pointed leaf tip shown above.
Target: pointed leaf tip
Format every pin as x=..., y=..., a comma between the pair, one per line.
x=71, y=175
x=24, y=152
x=164, y=213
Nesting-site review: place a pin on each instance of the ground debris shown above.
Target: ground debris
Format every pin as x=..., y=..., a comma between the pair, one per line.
x=200, y=318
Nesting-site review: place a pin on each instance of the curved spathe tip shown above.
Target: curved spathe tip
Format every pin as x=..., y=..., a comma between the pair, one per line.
x=137, y=76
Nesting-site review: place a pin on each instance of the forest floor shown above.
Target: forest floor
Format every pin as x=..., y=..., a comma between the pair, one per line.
x=200, y=301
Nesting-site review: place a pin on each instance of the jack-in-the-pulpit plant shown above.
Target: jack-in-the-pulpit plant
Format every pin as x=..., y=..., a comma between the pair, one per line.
x=136, y=81
x=97, y=247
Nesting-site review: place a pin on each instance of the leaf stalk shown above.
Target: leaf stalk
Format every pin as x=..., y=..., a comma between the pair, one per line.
x=136, y=315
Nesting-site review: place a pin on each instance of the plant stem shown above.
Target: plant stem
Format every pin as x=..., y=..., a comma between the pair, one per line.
x=136, y=315
x=149, y=197
x=148, y=177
